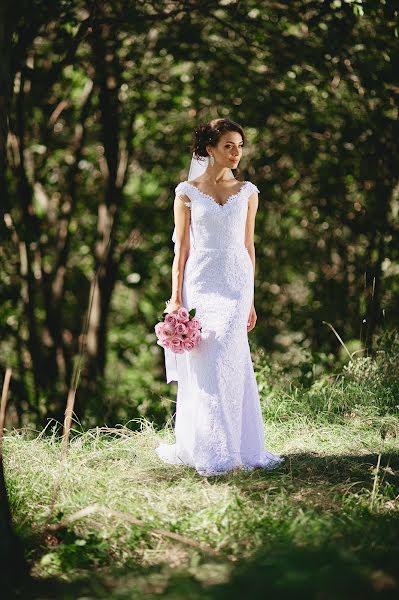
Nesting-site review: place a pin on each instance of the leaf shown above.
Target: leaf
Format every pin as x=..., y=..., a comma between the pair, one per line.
x=80, y=542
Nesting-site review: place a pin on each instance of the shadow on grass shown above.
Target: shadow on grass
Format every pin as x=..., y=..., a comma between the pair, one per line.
x=281, y=569
x=340, y=549
x=311, y=468
x=335, y=468
x=286, y=570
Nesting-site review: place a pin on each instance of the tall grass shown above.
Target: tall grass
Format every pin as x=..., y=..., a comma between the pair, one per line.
x=325, y=524
x=365, y=385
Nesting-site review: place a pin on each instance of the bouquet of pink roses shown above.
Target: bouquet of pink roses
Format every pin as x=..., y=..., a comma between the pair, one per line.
x=179, y=331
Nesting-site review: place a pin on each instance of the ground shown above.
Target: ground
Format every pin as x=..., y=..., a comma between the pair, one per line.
x=112, y=519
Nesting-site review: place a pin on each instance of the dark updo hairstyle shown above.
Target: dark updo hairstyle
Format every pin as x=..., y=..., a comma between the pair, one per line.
x=210, y=133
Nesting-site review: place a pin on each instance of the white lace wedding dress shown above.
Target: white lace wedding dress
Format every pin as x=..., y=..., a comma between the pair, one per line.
x=218, y=424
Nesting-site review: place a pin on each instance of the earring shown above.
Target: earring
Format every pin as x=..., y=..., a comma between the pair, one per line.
x=211, y=160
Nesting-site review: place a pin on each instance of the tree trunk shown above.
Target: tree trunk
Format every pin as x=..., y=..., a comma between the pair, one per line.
x=380, y=217
x=107, y=81
x=13, y=567
x=4, y=106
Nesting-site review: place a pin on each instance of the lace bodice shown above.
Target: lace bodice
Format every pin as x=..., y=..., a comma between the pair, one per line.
x=216, y=225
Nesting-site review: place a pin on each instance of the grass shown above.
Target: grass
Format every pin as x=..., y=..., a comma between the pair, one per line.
x=323, y=525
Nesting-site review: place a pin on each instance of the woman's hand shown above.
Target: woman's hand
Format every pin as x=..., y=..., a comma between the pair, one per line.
x=172, y=306
x=251, y=319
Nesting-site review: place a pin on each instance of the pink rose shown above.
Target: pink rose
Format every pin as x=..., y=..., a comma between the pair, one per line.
x=195, y=323
x=182, y=314
x=159, y=329
x=191, y=334
x=188, y=345
x=181, y=328
x=171, y=318
x=196, y=337
x=175, y=341
x=168, y=330
x=163, y=342
x=176, y=345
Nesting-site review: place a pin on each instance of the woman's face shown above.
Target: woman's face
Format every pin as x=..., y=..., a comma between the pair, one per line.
x=228, y=151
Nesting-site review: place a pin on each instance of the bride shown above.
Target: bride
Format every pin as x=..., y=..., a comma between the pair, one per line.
x=218, y=424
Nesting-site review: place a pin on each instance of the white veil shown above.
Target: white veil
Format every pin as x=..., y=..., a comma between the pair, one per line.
x=197, y=167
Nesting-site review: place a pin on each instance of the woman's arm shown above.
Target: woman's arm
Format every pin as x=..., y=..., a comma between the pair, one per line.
x=253, y=202
x=182, y=216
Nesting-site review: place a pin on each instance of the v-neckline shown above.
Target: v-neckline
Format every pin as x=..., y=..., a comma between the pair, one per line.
x=213, y=199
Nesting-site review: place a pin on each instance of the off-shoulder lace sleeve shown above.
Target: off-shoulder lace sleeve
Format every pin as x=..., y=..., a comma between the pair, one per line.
x=180, y=191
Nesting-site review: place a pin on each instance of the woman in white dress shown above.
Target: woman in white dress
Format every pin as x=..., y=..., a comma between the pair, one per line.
x=218, y=424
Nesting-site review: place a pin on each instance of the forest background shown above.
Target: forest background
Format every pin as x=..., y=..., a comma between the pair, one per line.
x=99, y=101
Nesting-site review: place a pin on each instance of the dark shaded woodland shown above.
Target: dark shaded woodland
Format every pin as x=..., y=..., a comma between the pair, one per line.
x=98, y=101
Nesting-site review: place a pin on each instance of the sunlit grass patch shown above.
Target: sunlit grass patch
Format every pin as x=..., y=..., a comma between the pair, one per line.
x=326, y=520
x=326, y=493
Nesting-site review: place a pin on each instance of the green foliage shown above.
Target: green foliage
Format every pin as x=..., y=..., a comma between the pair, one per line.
x=365, y=384
x=379, y=373
x=102, y=108
x=73, y=552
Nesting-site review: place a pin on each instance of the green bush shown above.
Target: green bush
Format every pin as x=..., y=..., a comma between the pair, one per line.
x=367, y=384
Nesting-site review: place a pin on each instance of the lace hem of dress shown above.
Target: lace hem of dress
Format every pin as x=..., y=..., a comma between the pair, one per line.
x=267, y=461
